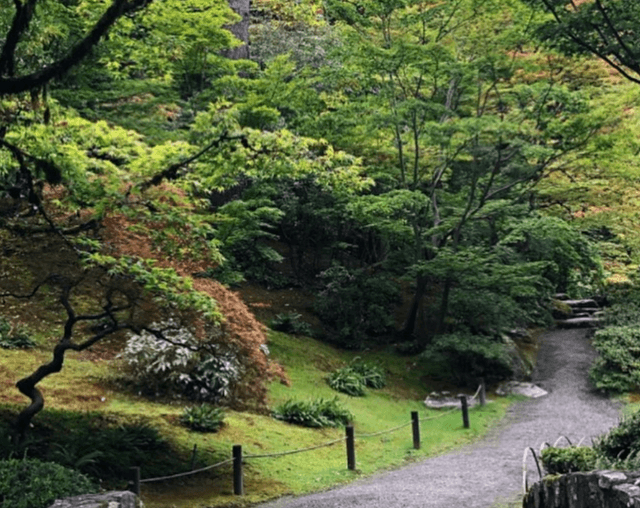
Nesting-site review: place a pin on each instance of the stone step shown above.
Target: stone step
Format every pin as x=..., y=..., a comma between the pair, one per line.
x=580, y=304
x=578, y=322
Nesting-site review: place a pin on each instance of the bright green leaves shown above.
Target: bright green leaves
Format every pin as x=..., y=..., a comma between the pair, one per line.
x=169, y=290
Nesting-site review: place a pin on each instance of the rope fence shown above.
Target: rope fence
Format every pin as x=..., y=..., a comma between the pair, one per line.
x=238, y=457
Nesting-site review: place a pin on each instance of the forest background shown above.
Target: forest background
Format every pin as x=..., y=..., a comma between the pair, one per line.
x=421, y=176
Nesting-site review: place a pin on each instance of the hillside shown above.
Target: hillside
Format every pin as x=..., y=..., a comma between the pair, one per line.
x=409, y=183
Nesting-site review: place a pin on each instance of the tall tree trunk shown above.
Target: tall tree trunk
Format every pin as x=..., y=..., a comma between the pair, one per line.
x=240, y=29
x=444, y=307
x=412, y=316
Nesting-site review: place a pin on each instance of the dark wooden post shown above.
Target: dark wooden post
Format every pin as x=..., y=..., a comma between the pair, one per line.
x=415, y=422
x=351, y=448
x=465, y=411
x=134, y=483
x=238, y=487
x=194, y=453
x=483, y=392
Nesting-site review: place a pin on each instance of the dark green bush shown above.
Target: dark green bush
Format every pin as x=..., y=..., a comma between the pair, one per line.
x=625, y=313
x=463, y=358
x=354, y=378
x=203, y=418
x=290, y=322
x=101, y=446
x=372, y=374
x=617, y=367
x=31, y=483
x=569, y=460
x=346, y=380
x=14, y=337
x=315, y=414
x=356, y=305
x=621, y=441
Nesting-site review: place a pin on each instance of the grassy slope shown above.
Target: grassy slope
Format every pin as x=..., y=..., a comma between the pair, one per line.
x=81, y=386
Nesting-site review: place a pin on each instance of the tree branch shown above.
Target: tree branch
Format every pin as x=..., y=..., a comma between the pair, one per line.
x=15, y=85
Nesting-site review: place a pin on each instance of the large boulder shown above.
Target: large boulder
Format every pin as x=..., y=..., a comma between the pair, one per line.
x=115, y=499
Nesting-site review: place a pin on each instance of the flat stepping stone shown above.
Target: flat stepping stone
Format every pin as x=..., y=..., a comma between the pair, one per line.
x=520, y=388
x=444, y=400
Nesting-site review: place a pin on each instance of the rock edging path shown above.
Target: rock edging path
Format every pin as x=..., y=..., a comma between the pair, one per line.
x=489, y=473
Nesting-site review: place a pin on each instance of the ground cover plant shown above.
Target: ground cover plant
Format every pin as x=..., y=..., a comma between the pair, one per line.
x=315, y=413
x=203, y=418
x=46, y=481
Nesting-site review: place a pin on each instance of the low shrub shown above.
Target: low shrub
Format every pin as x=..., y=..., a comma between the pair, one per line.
x=356, y=377
x=625, y=313
x=101, y=446
x=290, y=322
x=464, y=358
x=621, y=441
x=180, y=368
x=31, y=483
x=203, y=418
x=617, y=367
x=373, y=375
x=569, y=460
x=346, y=380
x=14, y=337
x=317, y=413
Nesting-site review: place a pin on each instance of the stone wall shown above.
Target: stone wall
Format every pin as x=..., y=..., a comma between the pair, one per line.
x=598, y=489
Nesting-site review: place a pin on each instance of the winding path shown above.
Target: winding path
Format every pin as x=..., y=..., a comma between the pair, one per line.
x=489, y=473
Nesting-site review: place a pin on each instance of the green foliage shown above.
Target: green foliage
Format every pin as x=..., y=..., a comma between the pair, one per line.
x=169, y=290
x=179, y=366
x=14, y=337
x=569, y=460
x=372, y=374
x=356, y=304
x=621, y=441
x=625, y=313
x=103, y=447
x=290, y=322
x=617, y=368
x=203, y=418
x=604, y=29
x=317, y=413
x=242, y=226
x=571, y=259
x=463, y=358
x=346, y=380
x=31, y=483
x=356, y=377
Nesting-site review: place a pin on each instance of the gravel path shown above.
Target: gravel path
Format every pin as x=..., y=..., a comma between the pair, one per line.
x=489, y=473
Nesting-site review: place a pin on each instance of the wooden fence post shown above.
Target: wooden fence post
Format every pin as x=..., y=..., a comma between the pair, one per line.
x=483, y=392
x=415, y=421
x=194, y=454
x=465, y=411
x=238, y=487
x=351, y=448
x=134, y=482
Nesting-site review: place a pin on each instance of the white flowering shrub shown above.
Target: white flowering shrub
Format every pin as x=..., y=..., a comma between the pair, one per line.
x=179, y=366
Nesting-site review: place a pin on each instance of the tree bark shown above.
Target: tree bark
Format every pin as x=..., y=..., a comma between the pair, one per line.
x=240, y=29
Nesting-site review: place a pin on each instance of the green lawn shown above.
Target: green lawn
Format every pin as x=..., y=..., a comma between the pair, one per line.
x=83, y=386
